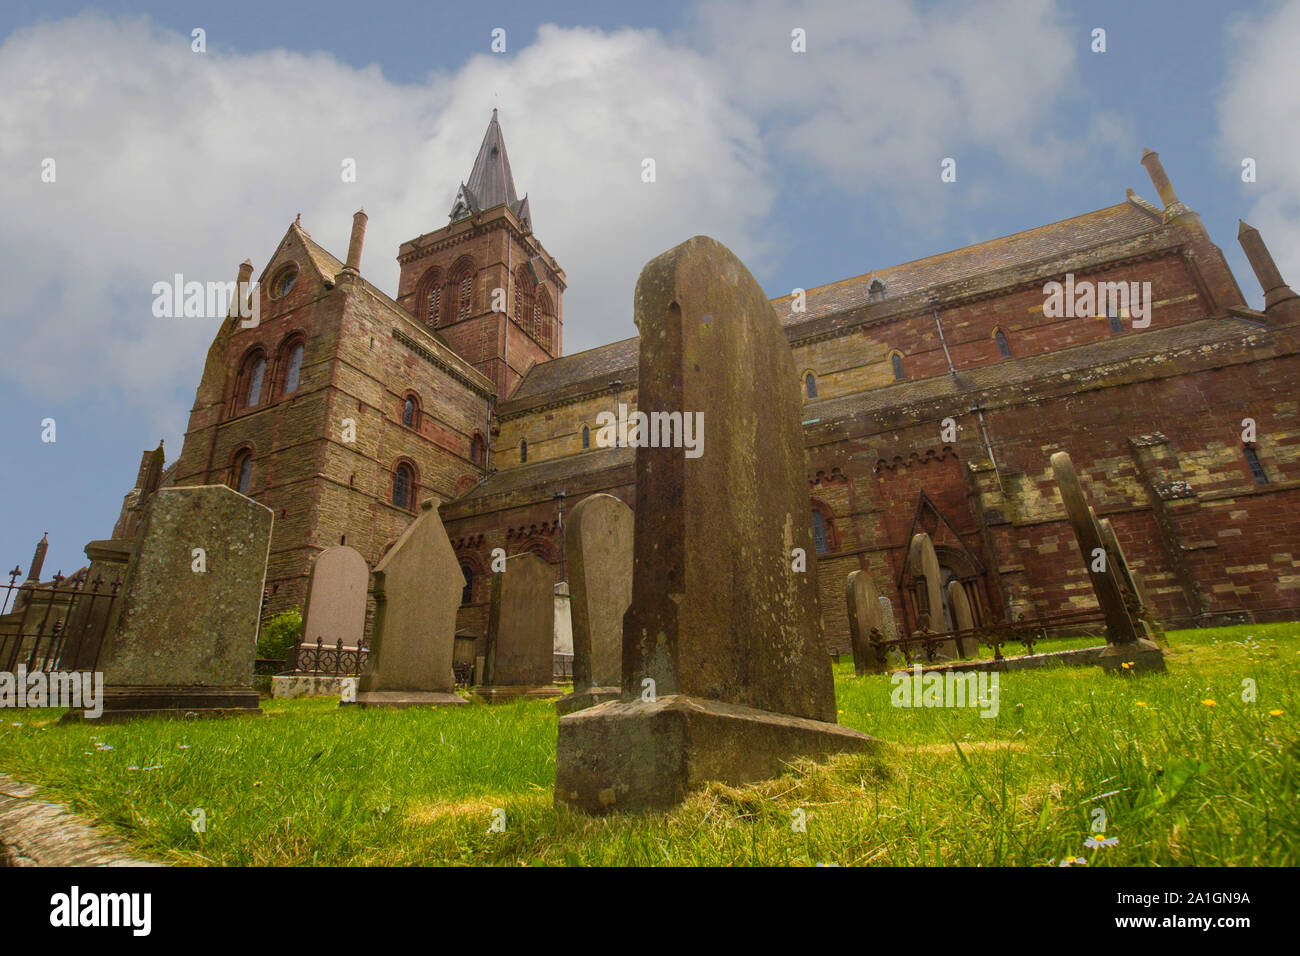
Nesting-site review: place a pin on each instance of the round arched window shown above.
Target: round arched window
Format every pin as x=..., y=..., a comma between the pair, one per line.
x=284, y=281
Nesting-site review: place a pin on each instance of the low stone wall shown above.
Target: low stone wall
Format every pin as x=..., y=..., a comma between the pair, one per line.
x=34, y=832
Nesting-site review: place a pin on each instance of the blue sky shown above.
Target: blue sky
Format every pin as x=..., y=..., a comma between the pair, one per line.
x=813, y=167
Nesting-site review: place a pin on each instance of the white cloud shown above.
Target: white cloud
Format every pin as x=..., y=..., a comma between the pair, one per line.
x=1259, y=118
x=170, y=161
x=886, y=91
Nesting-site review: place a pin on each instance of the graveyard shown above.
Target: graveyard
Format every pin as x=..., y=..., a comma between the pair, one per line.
x=1187, y=773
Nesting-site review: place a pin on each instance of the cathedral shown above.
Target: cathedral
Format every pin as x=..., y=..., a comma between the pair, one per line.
x=935, y=393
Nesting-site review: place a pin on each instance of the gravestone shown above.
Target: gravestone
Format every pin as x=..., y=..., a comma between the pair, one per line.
x=725, y=672
x=924, y=565
x=520, y=660
x=183, y=635
x=336, y=598
x=866, y=626
x=598, y=553
x=1125, y=641
x=962, y=618
x=417, y=590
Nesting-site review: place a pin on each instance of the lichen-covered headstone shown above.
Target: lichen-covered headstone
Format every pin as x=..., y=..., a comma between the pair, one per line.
x=725, y=674
x=184, y=636
x=520, y=659
x=598, y=554
x=417, y=590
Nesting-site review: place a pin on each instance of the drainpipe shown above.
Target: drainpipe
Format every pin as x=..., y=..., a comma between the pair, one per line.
x=934, y=307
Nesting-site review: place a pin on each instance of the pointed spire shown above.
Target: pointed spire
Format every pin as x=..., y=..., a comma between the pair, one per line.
x=1261, y=261
x=38, y=559
x=490, y=182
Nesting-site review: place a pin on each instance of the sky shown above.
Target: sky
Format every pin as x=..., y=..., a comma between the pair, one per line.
x=812, y=166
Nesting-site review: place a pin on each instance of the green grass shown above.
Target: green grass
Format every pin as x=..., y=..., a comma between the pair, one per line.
x=1181, y=782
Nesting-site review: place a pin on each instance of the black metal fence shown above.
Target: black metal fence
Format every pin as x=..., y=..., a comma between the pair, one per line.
x=320, y=659
x=1029, y=632
x=59, y=625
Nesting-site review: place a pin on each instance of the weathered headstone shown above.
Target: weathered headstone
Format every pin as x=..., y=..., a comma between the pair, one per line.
x=417, y=590
x=336, y=598
x=183, y=636
x=725, y=674
x=924, y=565
x=598, y=553
x=962, y=618
x=1125, y=641
x=865, y=622
x=521, y=632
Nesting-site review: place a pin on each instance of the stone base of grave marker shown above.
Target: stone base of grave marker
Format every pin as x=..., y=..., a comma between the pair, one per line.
x=498, y=693
x=634, y=755
x=584, y=699
x=127, y=703
x=1134, y=656
x=405, y=698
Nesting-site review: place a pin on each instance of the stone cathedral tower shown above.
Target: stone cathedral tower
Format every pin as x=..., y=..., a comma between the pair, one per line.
x=484, y=282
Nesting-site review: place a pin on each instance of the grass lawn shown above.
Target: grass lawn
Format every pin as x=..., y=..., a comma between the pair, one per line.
x=1186, y=772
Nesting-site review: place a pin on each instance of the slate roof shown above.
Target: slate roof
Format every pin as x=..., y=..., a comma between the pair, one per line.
x=490, y=182
x=1121, y=221
x=551, y=473
x=599, y=364
x=1125, y=220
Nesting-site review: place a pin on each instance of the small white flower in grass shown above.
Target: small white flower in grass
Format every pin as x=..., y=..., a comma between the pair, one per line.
x=132, y=768
x=182, y=746
x=1073, y=861
x=1099, y=840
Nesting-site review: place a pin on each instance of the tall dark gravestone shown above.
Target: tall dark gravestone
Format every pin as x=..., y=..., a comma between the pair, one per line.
x=725, y=673
x=1126, y=642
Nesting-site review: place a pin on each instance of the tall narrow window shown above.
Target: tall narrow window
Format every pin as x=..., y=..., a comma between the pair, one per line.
x=243, y=472
x=467, y=592
x=820, y=541
x=476, y=448
x=294, y=372
x=1256, y=467
x=255, y=374
x=466, y=291
x=523, y=451
x=810, y=385
x=1004, y=347
x=408, y=412
x=897, y=361
x=586, y=437
x=435, y=304
x=402, y=487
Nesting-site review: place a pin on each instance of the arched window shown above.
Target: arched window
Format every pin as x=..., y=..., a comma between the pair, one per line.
x=586, y=437
x=409, y=409
x=467, y=593
x=403, y=483
x=1004, y=347
x=821, y=540
x=254, y=372
x=241, y=471
x=545, y=320
x=810, y=385
x=523, y=451
x=897, y=361
x=476, y=449
x=293, y=373
x=876, y=291
x=1256, y=466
